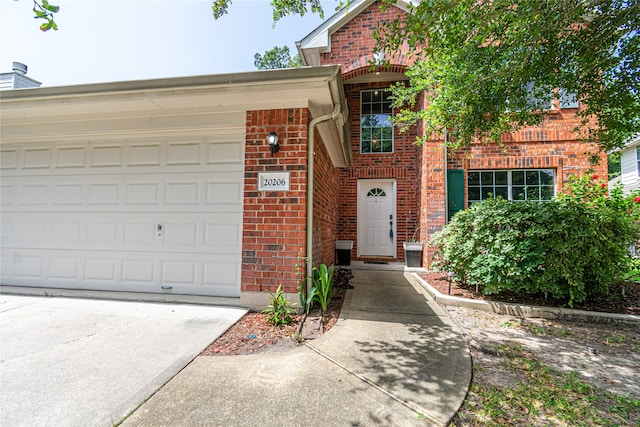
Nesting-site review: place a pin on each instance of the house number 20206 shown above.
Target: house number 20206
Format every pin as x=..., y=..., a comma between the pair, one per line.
x=275, y=182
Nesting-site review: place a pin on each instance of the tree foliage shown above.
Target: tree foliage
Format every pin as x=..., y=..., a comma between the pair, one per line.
x=278, y=57
x=44, y=10
x=490, y=67
x=281, y=8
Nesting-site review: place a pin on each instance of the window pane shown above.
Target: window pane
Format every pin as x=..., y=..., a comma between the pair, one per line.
x=502, y=192
x=387, y=146
x=501, y=178
x=473, y=178
x=487, y=193
x=533, y=193
x=366, y=109
x=486, y=178
x=546, y=193
x=517, y=178
x=546, y=177
x=474, y=193
x=366, y=134
x=518, y=193
x=366, y=96
x=366, y=146
x=533, y=178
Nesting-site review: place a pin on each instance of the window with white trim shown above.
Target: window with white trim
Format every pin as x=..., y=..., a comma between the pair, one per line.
x=517, y=184
x=376, y=128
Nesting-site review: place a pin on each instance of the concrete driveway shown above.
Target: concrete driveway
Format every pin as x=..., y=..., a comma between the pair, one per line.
x=83, y=362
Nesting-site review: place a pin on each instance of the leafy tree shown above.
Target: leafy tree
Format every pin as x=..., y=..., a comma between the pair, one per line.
x=44, y=10
x=489, y=67
x=278, y=57
x=281, y=8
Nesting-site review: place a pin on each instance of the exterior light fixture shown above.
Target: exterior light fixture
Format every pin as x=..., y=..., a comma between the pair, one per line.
x=273, y=139
x=450, y=276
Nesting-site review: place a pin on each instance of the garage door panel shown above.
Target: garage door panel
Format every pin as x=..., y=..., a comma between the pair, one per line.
x=201, y=192
x=199, y=274
x=173, y=232
x=139, y=214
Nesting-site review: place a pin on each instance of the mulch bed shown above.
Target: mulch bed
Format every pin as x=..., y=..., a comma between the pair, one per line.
x=254, y=334
x=615, y=302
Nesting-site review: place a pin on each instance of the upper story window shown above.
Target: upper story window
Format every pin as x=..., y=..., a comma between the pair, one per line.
x=517, y=185
x=376, y=128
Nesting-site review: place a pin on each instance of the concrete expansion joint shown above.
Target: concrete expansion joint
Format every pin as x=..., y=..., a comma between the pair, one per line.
x=415, y=408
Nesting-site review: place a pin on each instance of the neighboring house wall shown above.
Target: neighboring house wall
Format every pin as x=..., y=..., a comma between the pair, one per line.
x=629, y=162
x=274, y=222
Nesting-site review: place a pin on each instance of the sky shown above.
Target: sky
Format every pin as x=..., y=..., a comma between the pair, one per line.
x=119, y=40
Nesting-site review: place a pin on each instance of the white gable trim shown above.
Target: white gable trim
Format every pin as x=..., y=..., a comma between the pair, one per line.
x=319, y=40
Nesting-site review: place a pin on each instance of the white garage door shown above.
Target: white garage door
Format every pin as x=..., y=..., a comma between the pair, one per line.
x=144, y=215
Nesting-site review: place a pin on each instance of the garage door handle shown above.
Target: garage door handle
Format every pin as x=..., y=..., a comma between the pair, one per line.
x=166, y=288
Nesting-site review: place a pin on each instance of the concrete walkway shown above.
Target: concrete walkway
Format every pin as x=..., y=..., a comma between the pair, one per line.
x=393, y=359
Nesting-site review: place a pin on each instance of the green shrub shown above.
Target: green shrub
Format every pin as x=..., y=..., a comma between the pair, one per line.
x=564, y=247
x=280, y=309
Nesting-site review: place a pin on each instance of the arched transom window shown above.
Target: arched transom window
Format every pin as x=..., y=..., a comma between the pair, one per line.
x=376, y=192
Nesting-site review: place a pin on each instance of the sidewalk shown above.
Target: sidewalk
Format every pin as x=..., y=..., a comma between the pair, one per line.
x=393, y=359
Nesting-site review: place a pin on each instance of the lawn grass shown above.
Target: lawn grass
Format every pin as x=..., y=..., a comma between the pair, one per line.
x=544, y=397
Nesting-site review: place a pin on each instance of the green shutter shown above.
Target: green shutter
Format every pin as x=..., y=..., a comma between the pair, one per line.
x=455, y=190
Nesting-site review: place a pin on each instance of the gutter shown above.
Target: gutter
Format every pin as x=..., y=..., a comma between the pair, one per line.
x=173, y=84
x=310, y=176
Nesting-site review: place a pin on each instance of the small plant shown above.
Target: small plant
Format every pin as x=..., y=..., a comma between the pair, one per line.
x=323, y=283
x=305, y=293
x=280, y=309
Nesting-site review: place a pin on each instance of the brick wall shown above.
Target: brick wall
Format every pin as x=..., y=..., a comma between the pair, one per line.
x=402, y=165
x=274, y=222
x=325, y=205
x=550, y=145
x=352, y=45
x=420, y=171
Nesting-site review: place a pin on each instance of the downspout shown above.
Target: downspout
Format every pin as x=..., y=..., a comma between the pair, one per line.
x=310, y=148
x=446, y=181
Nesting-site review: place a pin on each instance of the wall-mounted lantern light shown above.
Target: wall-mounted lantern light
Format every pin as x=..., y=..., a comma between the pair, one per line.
x=273, y=139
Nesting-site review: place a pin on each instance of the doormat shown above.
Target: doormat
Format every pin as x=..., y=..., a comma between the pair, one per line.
x=376, y=262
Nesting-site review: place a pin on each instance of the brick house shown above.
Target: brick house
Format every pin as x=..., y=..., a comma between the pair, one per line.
x=170, y=186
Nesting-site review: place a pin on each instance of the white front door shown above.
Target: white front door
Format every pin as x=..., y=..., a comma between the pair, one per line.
x=376, y=217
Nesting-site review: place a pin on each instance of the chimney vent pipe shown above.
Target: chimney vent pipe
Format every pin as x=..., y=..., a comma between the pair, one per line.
x=19, y=68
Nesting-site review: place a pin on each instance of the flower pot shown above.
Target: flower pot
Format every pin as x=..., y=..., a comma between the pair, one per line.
x=413, y=253
x=343, y=252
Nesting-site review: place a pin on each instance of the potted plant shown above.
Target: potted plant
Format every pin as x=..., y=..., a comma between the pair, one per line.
x=413, y=249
